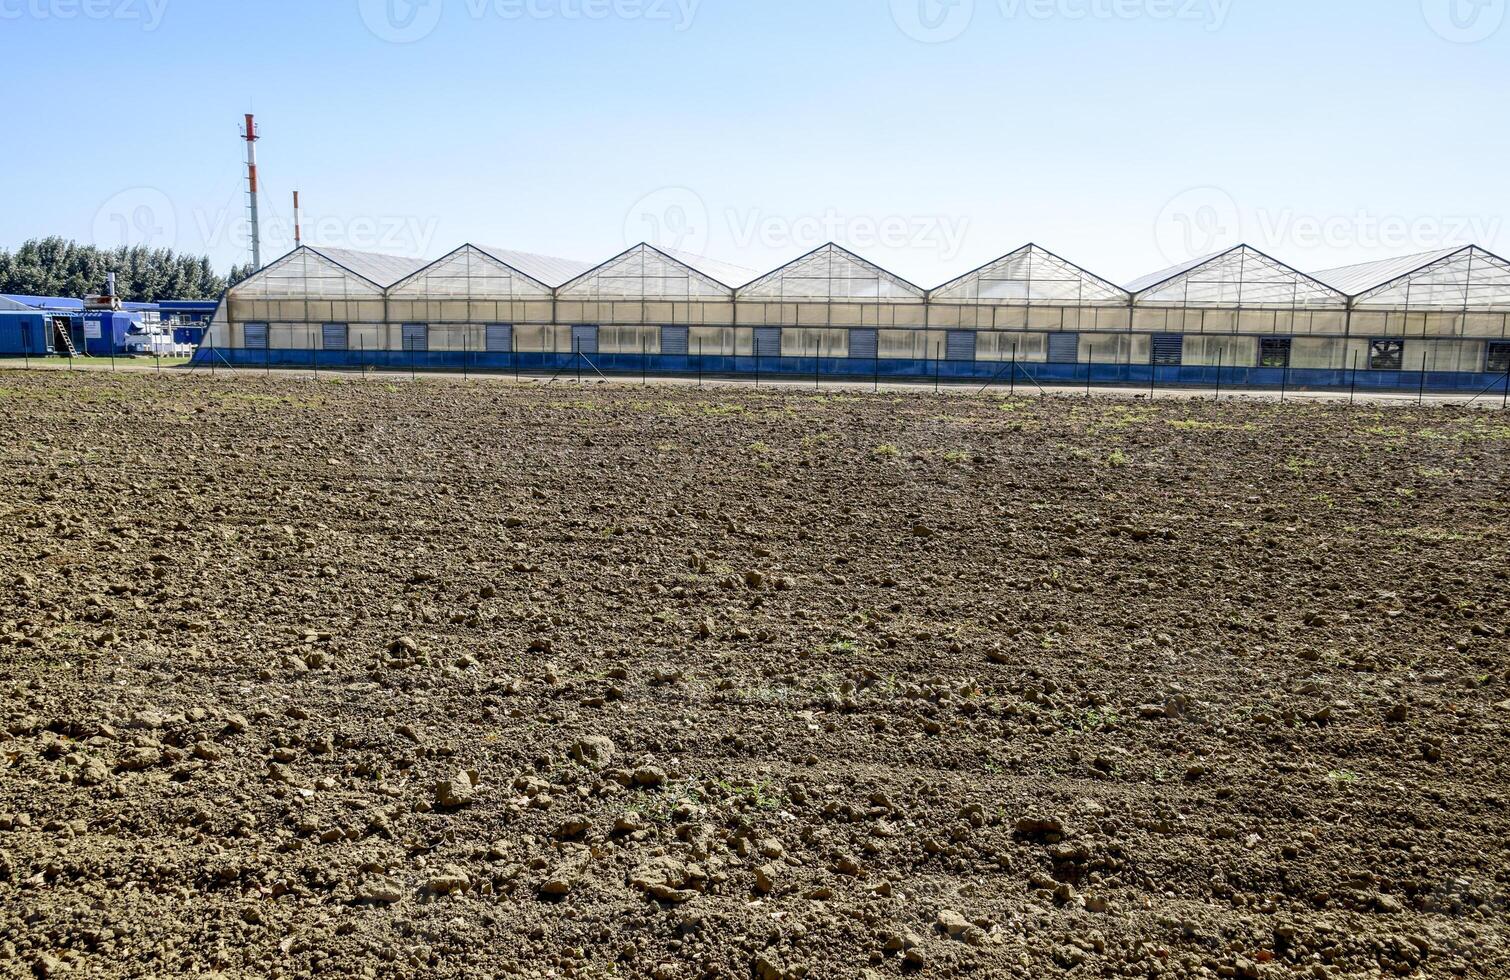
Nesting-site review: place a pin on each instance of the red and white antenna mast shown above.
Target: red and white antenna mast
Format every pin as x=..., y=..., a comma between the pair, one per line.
x=250, y=135
x=298, y=236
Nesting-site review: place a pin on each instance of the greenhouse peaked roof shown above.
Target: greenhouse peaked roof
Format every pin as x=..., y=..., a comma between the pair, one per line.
x=1175, y=271
x=376, y=267
x=1241, y=275
x=1358, y=279
x=1031, y=274
x=548, y=270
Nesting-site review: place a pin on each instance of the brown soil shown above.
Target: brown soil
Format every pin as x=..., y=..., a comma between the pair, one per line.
x=465, y=680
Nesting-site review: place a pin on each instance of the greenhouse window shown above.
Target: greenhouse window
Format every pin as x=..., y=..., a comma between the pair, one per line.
x=1497, y=356
x=333, y=336
x=1386, y=355
x=499, y=337
x=1064, y=348
x=1274, y=352
x=416, y=336
x=1168, y=349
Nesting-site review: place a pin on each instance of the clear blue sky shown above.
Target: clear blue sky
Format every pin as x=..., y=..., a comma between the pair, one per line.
x=930, y=135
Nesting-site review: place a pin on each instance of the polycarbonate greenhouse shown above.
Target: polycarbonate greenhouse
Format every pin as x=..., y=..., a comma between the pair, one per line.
x=1238, y=316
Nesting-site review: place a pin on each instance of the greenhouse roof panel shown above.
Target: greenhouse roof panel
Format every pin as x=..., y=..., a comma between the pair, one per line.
x=377, y=267
x=1468, y=279
x=831, y=272
x=1164, y=275
x=644, y=272
x=547, y=269
x=725, y=272
x=1031, y=275
x=1364, y=276
x=1240, y=276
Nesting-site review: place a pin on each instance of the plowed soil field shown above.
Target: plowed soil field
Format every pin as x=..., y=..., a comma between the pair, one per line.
x=444, y=679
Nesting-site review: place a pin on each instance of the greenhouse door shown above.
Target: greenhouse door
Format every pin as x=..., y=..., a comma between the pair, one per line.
x=584, y=339
x=862, y=343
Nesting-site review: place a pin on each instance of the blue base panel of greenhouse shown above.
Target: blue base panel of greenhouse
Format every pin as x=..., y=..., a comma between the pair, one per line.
x=850, y=368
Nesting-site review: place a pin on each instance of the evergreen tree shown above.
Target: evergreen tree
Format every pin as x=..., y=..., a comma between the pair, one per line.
x=55, y=266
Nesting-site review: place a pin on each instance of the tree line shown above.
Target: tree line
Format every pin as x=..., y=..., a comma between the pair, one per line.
x=59, y=267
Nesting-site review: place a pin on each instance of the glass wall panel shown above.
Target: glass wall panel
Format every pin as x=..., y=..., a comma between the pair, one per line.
x=915, y=344
x=723, y=341
x=808, y=342
x=1231, y=351
x=993, y=345
x=629, y=340
x=1318, y=352
x=534, y=338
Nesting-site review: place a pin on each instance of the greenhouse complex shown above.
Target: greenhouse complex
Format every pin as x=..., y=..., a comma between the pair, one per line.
x=1436, y=320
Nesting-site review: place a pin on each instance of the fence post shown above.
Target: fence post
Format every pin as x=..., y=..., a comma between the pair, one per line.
x=1012, y=381
x=1153, y=369
x=644, y=362
x=26, y=345
x=466, y=350
x=1421, y=392
x=1352, y=389
x=1219, y=352
x=700, y=362
x=876, y=378
x=1505, y=402
x=1090, y=360
x=936, y=371
x=1284, y=378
